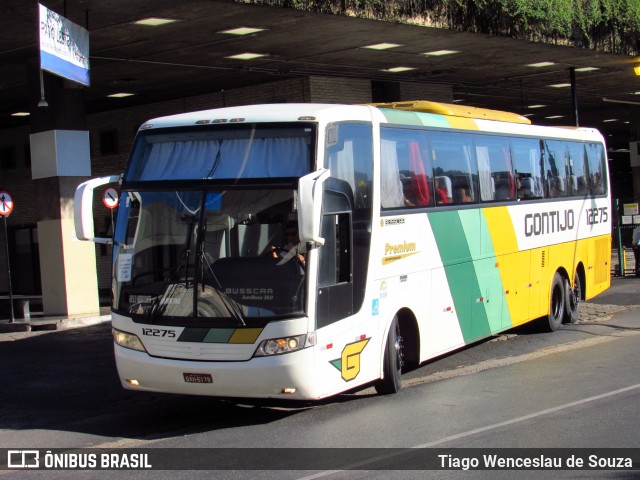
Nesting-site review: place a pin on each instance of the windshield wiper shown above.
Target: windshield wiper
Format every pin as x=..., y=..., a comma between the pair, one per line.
x=157, y=306
x=232, y=306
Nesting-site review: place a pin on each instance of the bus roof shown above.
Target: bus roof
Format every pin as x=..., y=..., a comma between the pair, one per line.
x=459, y=117
x=416, y=112
x=453, y=110
x=264, y=113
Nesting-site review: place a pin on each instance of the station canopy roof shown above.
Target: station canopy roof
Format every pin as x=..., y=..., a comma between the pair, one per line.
x=213, y=45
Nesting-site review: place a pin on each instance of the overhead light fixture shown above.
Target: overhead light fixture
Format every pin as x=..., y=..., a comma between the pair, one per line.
x=529, y=115
x=587, y=69
x=242, y=31
x=20, y=114
x=121, y=95
x=440, y=53
x=536, y=106
x=609, y=120
x=553, y=117
x=154, y=21
x=614, y=100
x=540, y=64
x=382, y=46
x=560, y=85
x=398, y=69
x=246, y=56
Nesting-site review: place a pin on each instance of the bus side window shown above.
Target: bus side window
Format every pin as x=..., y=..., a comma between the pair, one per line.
x=455, y=168
x=556, y=155
x=596, y=162
x=405, y=179
x=576, y=169
x=527, y=165
x=495, y=169
x=391, y=188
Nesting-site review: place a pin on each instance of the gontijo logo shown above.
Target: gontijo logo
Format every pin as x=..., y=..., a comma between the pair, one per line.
x=395, y=252
x=349, y=361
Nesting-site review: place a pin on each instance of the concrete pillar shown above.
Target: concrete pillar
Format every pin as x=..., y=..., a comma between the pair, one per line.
x=60, y=160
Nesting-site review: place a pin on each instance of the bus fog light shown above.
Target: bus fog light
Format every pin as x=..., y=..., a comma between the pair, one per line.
x=278, y=346
x=127, y=340
x=133, y=382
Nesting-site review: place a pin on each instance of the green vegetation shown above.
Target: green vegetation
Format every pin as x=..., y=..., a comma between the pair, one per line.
x=601, y=25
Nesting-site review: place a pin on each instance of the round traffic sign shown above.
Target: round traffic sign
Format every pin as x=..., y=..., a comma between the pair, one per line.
x=110, y=198
x=6, y=204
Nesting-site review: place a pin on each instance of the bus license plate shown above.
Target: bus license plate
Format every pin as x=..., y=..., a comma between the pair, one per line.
x=197, y=377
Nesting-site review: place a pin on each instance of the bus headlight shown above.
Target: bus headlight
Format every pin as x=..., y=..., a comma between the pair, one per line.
x=127, y=340
x=278, y=346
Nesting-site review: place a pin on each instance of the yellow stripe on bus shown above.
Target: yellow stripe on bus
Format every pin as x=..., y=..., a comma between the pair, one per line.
x=245, y=335
x=501, y=230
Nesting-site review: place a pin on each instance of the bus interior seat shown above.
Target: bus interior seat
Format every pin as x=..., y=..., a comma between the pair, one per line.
x=573, y=183
x=503, y=190
x=583, y=187
x=527, y=183
x=444, y=183
x=262, y=282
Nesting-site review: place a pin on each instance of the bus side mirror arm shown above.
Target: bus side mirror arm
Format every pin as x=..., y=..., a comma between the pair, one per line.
x=83, y=208
x=310, y=193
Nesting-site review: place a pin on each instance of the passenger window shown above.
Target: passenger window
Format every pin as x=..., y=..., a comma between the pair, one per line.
x=495, y=172
x=455, y=168
x=405, y=170
x=527, y=162
x=576, y=169
x=597, y=169
x=348, y=154
x=556, y=159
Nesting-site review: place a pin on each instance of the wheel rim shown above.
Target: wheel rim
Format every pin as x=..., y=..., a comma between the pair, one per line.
x=397, y=345
x=576, y=294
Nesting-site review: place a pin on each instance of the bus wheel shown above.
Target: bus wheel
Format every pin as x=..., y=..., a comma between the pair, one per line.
x=573, y=296
x=392, y=366
x=553, y=320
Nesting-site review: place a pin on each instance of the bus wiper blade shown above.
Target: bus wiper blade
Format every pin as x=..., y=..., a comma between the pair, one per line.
x=232, y=306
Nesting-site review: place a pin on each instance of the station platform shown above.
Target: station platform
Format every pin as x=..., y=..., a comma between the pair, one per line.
x=40, y=322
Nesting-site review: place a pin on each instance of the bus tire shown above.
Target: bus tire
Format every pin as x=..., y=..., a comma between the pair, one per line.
x=573, y=296
x=392, y=363
x=553, y=320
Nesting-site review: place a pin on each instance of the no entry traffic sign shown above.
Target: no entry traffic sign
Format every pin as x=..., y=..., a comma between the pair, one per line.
x=6, y=207
x=6, y=204
x=110, y=198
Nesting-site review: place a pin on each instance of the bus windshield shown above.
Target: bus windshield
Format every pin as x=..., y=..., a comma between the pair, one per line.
x=221, y=153
x=216, y=254
x=207, y=217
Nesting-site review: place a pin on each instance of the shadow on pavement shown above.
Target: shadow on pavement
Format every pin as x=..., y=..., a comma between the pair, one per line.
x=67, y=381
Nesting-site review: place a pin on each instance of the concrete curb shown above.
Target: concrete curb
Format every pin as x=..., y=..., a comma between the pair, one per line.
x=61, y=323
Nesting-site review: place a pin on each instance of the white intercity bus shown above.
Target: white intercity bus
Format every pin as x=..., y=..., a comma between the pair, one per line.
x=302, y=250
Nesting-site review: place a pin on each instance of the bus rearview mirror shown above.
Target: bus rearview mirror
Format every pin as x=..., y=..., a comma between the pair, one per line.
x=83, y=208
x=310, y=191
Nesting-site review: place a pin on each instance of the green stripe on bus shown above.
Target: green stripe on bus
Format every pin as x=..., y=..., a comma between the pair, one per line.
x=433, y=120
x=415, y=118
x=219, y=335
x=476, y=287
